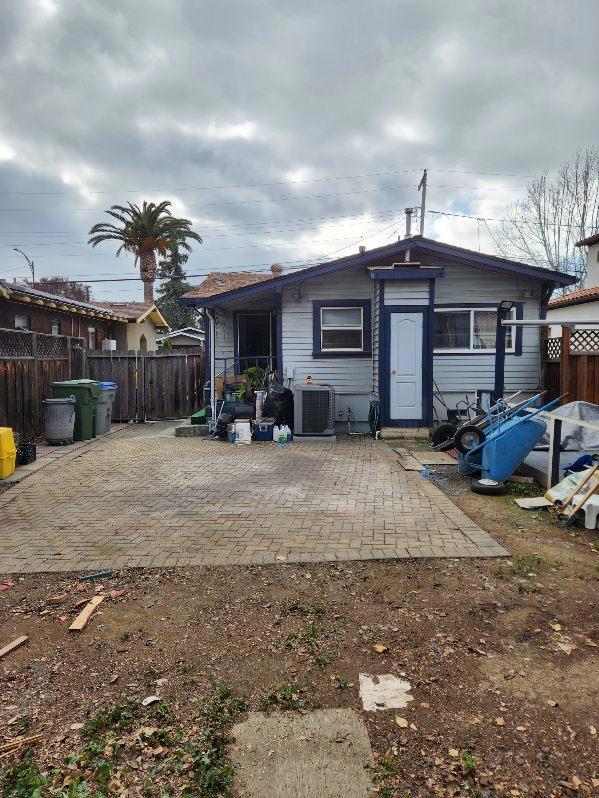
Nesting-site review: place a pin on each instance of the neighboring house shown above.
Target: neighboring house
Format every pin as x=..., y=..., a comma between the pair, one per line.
x=25, y=308
x=384, y=323
x=582, y=304
x=144, y=320
x=184, y=339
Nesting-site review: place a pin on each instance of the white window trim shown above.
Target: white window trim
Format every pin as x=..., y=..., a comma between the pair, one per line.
x=471, y=350
x=335, y=327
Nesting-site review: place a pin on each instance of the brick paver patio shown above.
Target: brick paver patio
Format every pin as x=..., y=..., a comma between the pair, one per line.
x=142, y=497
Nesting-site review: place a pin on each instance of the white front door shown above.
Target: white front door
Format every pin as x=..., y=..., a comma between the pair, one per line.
x=405, y=366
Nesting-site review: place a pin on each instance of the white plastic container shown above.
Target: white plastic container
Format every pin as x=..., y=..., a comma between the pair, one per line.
x=243, y=432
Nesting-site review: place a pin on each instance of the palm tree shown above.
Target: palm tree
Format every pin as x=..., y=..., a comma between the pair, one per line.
x=144, y=231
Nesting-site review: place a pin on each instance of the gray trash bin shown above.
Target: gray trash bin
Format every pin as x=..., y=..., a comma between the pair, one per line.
x=104, y=407
x=59, y=419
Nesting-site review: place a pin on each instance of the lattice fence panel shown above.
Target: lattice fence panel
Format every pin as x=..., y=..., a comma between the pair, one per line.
x=52, y=347
x=14, y=343
x=554, y=348
x=584, y=341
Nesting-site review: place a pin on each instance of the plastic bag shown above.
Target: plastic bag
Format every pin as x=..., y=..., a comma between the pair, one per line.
x=279, y=404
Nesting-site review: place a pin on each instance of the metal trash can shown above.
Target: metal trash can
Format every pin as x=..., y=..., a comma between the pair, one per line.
x=86, y=394
x=104, y=407
x=59, y=419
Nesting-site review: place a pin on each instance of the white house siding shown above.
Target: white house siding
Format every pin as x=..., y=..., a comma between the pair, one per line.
x=351, y=377
x=406, y=292
x=586, y=312
x=456, y=375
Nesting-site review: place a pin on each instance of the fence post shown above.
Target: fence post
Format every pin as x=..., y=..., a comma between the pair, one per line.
x=37, y=397
x=564, y=366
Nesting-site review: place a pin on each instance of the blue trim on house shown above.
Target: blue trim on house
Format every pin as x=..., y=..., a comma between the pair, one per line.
x=406, y=273
x=381, y=344
x=279, y=312
x=385, y=253
x=385, y=366
x=430, y=323
x=519, y=306
x=325, y=354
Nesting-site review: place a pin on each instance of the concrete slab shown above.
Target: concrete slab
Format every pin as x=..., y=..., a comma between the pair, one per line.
x=318, y=755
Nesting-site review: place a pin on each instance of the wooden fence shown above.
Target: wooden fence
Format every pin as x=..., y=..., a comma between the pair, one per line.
x=151, y=386
x=571, y=366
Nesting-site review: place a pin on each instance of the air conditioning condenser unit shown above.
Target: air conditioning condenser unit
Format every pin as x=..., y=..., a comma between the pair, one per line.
x=314, y=410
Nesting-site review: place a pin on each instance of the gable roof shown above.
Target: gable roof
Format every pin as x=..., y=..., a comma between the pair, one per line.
x=215, y=288
x=189, y=332
x=23, y=292
x=580, y=297
x=137, y=311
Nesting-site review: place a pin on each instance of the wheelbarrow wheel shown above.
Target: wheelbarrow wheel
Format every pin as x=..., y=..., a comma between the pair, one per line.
x=468, y=437
x=443, y=435
x=487, y=487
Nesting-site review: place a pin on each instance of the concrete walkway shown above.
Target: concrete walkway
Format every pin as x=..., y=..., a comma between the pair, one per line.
x=143, y=498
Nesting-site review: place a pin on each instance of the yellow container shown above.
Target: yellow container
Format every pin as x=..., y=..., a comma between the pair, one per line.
x=8, y=453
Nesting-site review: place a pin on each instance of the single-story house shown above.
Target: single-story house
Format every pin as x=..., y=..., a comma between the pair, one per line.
x=144, y=321
x=183, y=340
x=584, y=303
x=409, y=323
x=23, y=307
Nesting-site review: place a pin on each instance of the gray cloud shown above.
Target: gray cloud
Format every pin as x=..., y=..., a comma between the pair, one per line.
x=145, y=99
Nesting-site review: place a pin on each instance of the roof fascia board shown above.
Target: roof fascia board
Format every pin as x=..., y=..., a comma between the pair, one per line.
x=322, y=269
x=502, y=265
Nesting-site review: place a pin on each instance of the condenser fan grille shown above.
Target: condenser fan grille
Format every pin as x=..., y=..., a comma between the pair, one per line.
x=315, y=411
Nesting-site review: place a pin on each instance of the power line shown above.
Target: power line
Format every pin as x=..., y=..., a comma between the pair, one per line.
x=495, y=219
x=266, y=185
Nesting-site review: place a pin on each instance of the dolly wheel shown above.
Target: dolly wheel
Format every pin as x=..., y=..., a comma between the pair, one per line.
x=487, y=487
x=468, y=437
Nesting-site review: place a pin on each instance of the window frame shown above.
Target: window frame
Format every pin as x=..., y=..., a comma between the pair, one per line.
x=471, y=350
x=25, y=316
x=365, y=351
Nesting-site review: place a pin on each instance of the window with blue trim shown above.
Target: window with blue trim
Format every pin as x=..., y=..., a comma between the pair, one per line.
x=342, y=328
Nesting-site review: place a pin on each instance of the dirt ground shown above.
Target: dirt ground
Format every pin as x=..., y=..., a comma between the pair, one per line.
x=502, y=657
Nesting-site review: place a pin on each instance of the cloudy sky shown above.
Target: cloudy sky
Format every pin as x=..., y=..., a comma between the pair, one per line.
x=286, y=131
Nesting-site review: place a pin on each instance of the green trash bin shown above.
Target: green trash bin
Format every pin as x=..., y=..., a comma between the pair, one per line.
x=86, y=394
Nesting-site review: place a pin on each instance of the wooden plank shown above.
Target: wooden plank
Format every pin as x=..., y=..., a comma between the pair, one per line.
x=20, y=641
x=434, y=458
x=81, y=620
x=410, y=463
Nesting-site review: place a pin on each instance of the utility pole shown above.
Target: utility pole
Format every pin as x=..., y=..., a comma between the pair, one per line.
x=30, y=263
x=422, y=185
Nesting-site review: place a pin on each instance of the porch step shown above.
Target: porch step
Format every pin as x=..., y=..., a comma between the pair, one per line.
x=189, y=430
x=404, y=432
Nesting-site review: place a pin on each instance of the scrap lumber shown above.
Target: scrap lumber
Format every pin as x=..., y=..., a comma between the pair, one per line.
x=81, y=620
x=433, y=458
x=18, y=743
x=20, y=641
x=407, y=461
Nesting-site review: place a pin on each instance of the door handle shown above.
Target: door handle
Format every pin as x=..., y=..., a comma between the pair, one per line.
x=393, y=373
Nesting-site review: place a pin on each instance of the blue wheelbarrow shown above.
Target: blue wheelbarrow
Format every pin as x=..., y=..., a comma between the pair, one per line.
x=504, y=447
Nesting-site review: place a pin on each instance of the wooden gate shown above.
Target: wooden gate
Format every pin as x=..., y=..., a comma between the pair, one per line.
x=151, y=386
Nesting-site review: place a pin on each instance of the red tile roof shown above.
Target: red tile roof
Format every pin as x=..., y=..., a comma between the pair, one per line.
x=220, y=282
x=587, y=242
x=575, y=298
